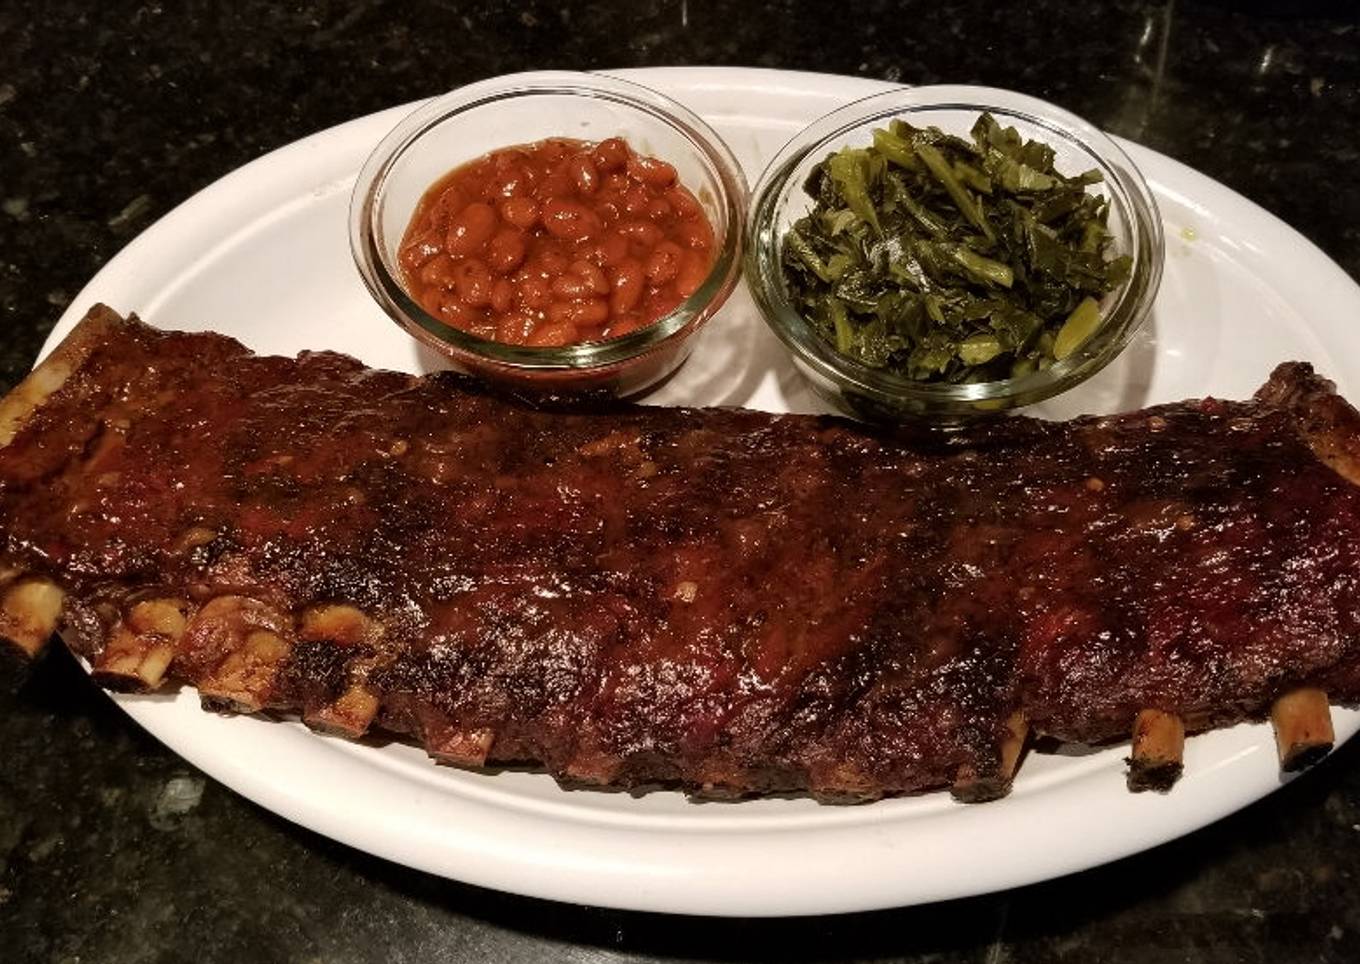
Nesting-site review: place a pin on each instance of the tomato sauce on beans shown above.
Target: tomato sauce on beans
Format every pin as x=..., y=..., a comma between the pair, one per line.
x=555, y=243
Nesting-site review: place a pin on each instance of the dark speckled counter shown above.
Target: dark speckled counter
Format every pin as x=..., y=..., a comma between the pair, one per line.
x=114, y=850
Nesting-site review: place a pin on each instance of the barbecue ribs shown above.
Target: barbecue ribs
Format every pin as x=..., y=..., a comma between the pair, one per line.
x=724, y=600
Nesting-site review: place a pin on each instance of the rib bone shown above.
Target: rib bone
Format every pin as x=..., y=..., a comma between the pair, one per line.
x=1303, y=728
x=1158, y=743
x=449, y=743
x=142, y=646
x=349, y=716
x=352, y=712
x=241, y=683
x=29, y=611
x=238, y=645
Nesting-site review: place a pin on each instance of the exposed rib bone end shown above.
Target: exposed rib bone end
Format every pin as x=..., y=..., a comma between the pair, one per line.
x=141, y=648
x=349, y=716
x=132, y=664
x=446, y=742
x=1303, y=728
x=242, y=683
x=29, y=611
x=970, y=786
x=353, y=711
x=1158, y=748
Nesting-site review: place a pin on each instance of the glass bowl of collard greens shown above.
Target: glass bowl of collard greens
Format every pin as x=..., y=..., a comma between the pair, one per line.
x=947, y=251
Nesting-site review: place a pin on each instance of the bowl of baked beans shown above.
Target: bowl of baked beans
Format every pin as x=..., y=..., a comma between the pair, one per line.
x=557, y=231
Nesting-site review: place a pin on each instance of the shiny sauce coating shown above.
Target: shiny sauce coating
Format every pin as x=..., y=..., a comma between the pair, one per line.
x=555, y=243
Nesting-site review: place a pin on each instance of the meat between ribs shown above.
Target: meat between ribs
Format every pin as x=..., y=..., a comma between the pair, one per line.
x=726, y=600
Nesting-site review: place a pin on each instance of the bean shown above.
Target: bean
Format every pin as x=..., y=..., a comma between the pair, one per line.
x=554, y=186
x=592, y=274
x=484, y=191
x=470, y=228
x=617, y=183
x=581, y=280
x=522, y=212
x=658, y=209
x=651, y=170
x=418, y=250
x=533, y=294
x=514, y=181
x=643, y=231
x=553, y=335
x=692, y=274
x=438, y=271
x=571, y=287
x=515, y=329
x=685, y=204
x=610, y=250
x=472, y=278
x=628, y=279
x=459, y=313
x=505, y=251
x=636, y=200
x=569, y=220
x=552, y=262
x=585, y=175
x=664, y=263
x=608, y=211
x=694, y=233
x=592, y=312
x=450, y=201
x=502, y=296
x=610, y=154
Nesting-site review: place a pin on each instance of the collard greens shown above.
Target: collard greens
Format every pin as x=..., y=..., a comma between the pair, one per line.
x=952, y=260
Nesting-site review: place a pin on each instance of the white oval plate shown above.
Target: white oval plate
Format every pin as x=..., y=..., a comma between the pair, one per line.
x=262, y=255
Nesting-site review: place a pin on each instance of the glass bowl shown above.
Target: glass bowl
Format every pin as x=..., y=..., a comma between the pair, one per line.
x=873, y=394
x=522, y=108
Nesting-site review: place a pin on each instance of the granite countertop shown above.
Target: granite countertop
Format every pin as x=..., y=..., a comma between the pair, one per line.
x=112, y=849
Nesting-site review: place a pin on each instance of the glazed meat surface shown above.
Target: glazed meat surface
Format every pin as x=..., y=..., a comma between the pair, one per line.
x=730, y=601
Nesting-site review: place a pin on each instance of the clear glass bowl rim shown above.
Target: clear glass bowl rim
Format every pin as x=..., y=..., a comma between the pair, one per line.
x=1128, y=191
x=383, y=280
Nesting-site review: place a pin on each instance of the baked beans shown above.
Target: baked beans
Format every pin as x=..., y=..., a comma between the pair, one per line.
x=556, y=243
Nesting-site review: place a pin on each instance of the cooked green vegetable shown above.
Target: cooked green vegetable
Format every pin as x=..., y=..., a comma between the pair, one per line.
x=944, y=259
x=1083, y=320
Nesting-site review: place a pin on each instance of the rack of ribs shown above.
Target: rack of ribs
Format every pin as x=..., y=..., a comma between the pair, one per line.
x=727, y=601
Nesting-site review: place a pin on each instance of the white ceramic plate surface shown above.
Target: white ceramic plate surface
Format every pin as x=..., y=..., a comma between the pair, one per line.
x=262, y=255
